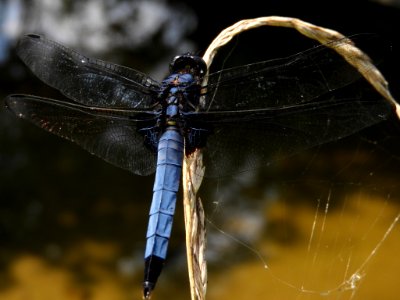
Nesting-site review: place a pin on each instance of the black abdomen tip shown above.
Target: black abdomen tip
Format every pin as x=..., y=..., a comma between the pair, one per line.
x=147, y=289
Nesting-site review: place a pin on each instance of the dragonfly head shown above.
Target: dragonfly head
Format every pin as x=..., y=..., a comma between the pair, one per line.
x=188, y=63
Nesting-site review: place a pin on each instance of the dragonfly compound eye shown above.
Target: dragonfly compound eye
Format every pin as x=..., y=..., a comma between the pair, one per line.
x=188, y=63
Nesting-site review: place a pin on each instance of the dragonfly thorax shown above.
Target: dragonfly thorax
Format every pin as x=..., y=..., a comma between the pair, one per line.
x=181, y=90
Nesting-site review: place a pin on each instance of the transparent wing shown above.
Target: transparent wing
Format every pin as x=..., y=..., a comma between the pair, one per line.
x=297, y=79
x=88, y=81
x=250, y=139
x=111, y=134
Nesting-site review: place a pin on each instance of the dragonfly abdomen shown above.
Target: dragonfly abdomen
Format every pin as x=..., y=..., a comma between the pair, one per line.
x=166, y=186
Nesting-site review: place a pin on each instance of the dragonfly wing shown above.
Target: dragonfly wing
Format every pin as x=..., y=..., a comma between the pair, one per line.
x=111, y=134
x=297, y=79
x=88, y=81
x=240, y=141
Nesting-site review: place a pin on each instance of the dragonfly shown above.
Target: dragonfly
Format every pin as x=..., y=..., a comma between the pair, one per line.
x=242, y=119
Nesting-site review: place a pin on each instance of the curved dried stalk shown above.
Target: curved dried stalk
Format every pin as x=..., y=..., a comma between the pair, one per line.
x=194, y=214
x=193, y=171
x=345, y=48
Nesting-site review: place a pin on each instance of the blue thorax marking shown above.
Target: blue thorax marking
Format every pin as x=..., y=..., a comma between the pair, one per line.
x=174, y=91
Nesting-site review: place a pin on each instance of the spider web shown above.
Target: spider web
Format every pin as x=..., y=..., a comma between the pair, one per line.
x=325, y=225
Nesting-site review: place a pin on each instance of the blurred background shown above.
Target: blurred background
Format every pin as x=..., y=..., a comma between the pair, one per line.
x=73, y=227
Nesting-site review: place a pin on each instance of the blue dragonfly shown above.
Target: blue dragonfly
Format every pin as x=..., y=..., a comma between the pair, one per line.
x=243, y=118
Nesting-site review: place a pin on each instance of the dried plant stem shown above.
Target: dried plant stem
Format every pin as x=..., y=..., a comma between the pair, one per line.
x=193, y=172
x=345, y=48
x=193, y=168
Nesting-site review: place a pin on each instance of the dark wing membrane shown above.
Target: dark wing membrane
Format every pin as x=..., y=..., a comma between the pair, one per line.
x=110, y=134
x=246, y=140
x=297, y=79
x=88, y=81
